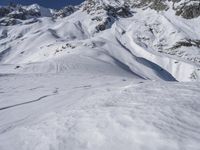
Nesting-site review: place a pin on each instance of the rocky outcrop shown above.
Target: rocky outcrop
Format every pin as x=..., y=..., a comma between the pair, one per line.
x=105, y=24
x=18, y=12
x=64, y=12
x=8, y=21
x=17, y=15
x=158, y=5
x=187, y=43
x=123, y=11
x=105, y=13
x=11, y=15
x=189, y=9
x=114, y=11
x=4, y=11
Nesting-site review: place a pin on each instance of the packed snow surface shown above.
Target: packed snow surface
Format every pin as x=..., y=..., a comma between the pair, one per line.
x=66, y=86
x=97, y=110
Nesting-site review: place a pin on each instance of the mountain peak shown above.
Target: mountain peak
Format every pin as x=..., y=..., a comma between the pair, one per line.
x=14, y=13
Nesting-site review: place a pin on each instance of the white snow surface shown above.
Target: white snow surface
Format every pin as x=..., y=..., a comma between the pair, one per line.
x=98, y=110
x=45, y=12
x=65, y=86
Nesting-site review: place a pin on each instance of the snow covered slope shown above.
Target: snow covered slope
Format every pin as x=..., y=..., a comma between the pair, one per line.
x=96, y=76
x=100, y=110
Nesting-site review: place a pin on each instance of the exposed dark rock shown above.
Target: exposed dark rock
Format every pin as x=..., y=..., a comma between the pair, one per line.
x=187, y=43
x=4, y=53
x=33, y=13
x=97, y=18
x=104, y=24
x=123, y=11
x=158, y=5
x=17, y=67
x=188, y=10
x=4, y=34
x=66, y=11
x=9, y=21
x=4, y=11
x=10, y=14
x=17, y=15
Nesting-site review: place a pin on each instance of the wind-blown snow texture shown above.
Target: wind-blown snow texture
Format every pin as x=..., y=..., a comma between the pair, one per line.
x=97, y=76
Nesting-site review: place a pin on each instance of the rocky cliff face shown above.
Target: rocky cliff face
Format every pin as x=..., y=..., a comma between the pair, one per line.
x=186, y=8
x=64, y=12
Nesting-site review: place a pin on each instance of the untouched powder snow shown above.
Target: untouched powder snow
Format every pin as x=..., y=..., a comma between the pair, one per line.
x=90, y=81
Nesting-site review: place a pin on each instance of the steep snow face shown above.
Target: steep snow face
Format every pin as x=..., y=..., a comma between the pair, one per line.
x=153, y=36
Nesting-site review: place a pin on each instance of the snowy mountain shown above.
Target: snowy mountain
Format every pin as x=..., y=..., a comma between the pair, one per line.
x=94, y=76
x=168, y=43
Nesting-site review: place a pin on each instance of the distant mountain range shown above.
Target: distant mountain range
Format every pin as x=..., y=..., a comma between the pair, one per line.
x=164, y=33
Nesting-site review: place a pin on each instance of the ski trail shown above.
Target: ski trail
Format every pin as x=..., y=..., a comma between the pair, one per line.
x=25, y=103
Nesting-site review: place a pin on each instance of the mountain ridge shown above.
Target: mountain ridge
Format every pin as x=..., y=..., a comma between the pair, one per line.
x=159, y=41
